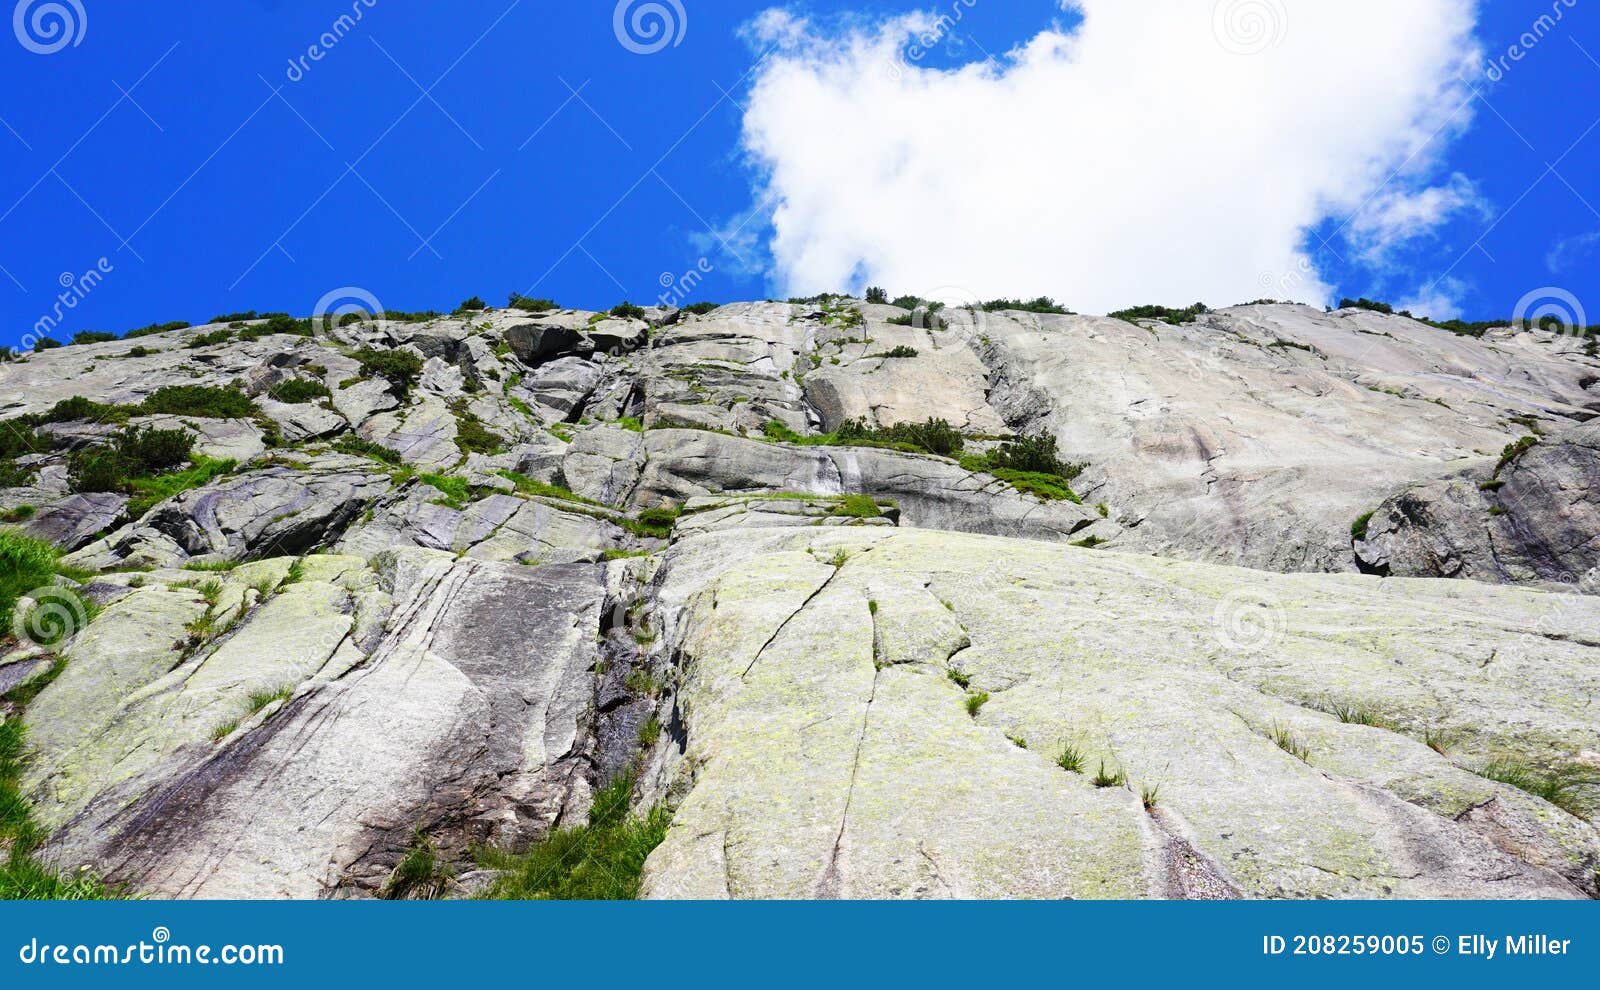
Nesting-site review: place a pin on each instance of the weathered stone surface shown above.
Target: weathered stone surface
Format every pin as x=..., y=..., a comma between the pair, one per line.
x=302, y=421
x=1258, y=434
x=282, y=729
x=463, y=718
x=1534, y=519
x=831, y=755
x=931, y=492
x=77, y=519
x=271, y=512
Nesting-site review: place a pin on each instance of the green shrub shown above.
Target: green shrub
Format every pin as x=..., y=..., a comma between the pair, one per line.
x=898, y=352
x=1358, y=529
x=876, y=295
x=601, y=860
x=80, y=409
x=47, y=344
x=1368, y=304
x=628, y=311
x=473, y=305
x=1034, y=453
x=298, y=390
x=211, y=339
x=702, y=308
x=357, y=447
x=129, y=454
x=17, y=439
x=276, y=323
x=93, y=337
x=247, y=315
x=1514, y=451
x=1043, y=304
x=205, y=401
x=531, y=305
x=399, y=368
x=1162, y=313
x=156, y=328
x=932, y=437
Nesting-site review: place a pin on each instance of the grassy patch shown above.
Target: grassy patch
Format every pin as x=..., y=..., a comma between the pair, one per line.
x=1560, y=786
x=1358, y=715
x=975, y=702
x=420, y=875
x=528, y=486
x=857, y=507
x=472, y=436
x=1103, y=779
x=22, y=876
x=599, y=861
x=28, y=565
x=1287, y=741
x=1071, y=759
x=457, y=491
x=150, y=492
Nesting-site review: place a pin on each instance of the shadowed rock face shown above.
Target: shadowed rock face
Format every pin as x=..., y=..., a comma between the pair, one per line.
x=464, y=718
x=570, y=547
x=1534, y=519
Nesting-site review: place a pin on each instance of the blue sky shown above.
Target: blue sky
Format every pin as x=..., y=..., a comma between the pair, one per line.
x=438, y=151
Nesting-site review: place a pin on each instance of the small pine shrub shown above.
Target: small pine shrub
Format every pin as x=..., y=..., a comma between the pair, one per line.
x=299, y=390
x=399, y=368
x=528, y=305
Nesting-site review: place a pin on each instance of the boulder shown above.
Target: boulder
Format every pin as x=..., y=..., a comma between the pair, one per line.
x=536, y=343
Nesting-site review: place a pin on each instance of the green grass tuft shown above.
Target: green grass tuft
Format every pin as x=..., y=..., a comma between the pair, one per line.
x=600, y=861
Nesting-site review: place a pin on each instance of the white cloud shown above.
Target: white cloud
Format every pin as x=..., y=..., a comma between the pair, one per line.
x=1439, y=301
x=1395, y=216
x=1163, y=151
x=1565, y=254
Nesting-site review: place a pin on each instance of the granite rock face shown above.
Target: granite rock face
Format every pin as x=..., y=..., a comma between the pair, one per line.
x=1304, y=605
x=1535, y=518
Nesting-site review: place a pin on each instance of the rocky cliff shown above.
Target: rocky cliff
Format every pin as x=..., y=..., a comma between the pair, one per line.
x=871, y=602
